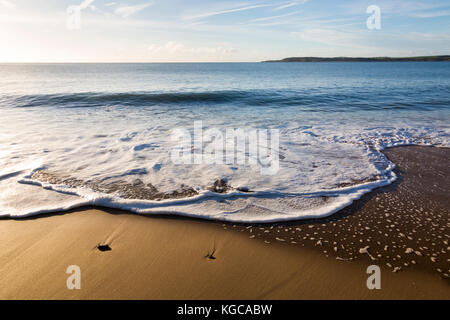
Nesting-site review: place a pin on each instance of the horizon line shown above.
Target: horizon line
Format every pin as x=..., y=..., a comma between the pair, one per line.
x=144, y=62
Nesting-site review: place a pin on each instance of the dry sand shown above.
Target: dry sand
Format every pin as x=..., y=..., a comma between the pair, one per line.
x=165, y=258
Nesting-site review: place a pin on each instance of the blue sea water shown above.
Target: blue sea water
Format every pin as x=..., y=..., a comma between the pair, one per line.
x=93, y=125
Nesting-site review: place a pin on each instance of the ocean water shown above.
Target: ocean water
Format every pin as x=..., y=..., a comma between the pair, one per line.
x=103, y=134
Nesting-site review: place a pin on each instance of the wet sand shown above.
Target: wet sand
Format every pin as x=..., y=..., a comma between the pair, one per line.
x=404, y=225
x=403, y=228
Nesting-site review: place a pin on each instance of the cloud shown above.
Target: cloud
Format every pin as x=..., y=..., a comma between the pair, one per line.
x=215, y=13
x=245, y=8
x=327, y=36
x=7, y=4
x=275, y=17
x=173, y=47
x=290, y=4
x=422, y=36
x=86, y=4
x=128, y=11
x=442, y=13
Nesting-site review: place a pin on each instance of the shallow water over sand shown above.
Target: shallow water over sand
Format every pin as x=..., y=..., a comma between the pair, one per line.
x=104, y=133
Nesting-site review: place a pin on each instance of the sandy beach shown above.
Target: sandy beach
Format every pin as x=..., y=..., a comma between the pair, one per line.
x=403, y=228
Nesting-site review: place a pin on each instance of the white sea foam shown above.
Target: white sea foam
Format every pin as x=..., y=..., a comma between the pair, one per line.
x=99, y=124
x=316, y=161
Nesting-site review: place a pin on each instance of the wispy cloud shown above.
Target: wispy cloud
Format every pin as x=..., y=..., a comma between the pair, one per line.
x=274, y=7
x=290, y=4
x=275, y=17
x=86, y=4
x=173, y=47
x=327, y=36
x=442, y=13
x=7, y=4
x=128, y=11
x=238, y=9
x=423, y=36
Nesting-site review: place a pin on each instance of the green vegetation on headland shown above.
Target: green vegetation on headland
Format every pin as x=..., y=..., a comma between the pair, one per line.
x=374, y=59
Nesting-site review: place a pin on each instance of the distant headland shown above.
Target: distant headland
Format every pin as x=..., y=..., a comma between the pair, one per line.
x=374, y=59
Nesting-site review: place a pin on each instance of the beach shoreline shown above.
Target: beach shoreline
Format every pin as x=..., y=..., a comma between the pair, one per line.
x=164, y=257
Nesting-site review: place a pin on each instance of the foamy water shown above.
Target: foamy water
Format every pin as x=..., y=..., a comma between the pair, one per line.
x=92, y=127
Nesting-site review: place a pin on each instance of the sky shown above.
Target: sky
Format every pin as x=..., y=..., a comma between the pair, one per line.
x=218, y=31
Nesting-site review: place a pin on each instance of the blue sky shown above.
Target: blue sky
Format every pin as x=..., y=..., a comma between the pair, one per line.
x=201, y=30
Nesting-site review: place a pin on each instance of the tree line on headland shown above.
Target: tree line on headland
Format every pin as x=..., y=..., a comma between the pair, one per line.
x=374, y=59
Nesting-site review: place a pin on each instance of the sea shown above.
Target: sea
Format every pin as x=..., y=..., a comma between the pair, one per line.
x=241, y=142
